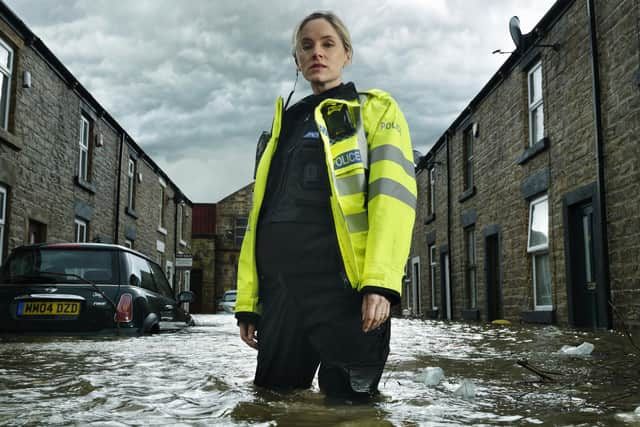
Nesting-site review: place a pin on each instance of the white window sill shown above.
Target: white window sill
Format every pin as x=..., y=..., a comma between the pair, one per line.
x=162, y=230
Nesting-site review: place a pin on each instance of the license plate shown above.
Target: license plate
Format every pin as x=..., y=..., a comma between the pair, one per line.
x=48, y=308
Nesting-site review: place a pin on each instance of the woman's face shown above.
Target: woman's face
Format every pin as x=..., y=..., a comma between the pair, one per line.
x=321, y=55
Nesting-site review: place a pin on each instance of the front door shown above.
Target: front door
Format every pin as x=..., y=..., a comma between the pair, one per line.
x=589, y=303
x=492, y=271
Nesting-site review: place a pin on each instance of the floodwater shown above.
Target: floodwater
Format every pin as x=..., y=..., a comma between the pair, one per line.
x=202, y=376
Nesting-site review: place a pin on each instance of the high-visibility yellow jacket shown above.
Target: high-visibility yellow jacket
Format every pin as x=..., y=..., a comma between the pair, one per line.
x=373, y=194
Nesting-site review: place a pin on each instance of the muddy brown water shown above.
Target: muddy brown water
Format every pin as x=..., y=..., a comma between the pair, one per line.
x=202, y=376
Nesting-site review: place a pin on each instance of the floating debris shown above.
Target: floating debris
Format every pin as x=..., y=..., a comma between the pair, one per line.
x=431, y=376
x=466, y=390
x=583, y=349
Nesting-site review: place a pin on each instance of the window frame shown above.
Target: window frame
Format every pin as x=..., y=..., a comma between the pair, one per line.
x=433, y=264
x=467, y=159
x=85, y=148
x=431, y=207
x=538, y=251
x=131, y=178
x=8, y=72
x=80, y=224
x=532, y=205
x=181, y=222
x=535, y=104
x=162, y=209
x=236, y=229
x=3, y=218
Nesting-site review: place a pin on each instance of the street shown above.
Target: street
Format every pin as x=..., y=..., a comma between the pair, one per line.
x=202, y=376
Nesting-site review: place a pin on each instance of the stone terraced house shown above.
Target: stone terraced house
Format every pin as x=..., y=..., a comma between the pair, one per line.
x=69, y=172
x=529, y=203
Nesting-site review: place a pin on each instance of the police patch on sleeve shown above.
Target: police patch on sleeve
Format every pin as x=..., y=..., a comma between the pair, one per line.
x=347, y=159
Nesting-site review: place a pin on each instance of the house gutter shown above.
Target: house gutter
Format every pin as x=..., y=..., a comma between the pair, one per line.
x=599, y=141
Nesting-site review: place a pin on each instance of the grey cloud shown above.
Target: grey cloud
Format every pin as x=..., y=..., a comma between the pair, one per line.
x=194, y=82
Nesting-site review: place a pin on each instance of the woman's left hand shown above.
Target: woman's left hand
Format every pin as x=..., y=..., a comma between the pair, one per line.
x=375, y=311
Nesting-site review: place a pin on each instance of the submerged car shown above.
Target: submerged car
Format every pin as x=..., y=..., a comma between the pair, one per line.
x=227, y=303
x=87, y=288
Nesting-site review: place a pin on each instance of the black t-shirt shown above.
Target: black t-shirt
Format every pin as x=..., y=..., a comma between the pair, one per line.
x=295, y=231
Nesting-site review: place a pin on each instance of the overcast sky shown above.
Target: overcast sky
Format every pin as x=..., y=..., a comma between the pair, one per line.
x=194, y=82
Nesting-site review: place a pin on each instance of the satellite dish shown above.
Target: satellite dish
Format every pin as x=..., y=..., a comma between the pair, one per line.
x=514, y=30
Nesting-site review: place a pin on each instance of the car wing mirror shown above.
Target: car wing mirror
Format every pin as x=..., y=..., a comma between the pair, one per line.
x=186, y=296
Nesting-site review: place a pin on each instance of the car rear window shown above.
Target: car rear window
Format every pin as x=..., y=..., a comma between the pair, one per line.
x=59, y=265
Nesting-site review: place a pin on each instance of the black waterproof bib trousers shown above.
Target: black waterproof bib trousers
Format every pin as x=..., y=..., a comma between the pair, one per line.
x=311, y=316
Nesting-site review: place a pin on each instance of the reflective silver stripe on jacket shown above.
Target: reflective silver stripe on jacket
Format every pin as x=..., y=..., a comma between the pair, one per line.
x=391, y=188
x=351, y=184
x=357, y=222
x=393, y=154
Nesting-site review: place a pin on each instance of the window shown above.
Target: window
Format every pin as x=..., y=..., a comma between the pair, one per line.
x=161, y=283
x=240, y=228
x=6, y=68
x=536, y=110
x=470, y=266
x=83, y=161
x=37, y=232
x=538, y=247
x=161, y=207
x=180, y=225
x=431, y=207
x=81, y=231
x=170, y=273
x=467, y=160
x=131, y=174
x=95, y=265
x=141, y=270
x=3, y=218
x=433, y=262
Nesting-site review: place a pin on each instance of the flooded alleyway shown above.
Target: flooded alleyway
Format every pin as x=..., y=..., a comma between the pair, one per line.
x=202, y=376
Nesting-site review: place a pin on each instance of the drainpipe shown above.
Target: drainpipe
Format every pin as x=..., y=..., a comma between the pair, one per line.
x=118, y=179
x=449, y=214
x=599, y=141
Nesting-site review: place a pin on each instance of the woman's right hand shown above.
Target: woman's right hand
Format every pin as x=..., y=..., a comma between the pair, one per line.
x=248, y=334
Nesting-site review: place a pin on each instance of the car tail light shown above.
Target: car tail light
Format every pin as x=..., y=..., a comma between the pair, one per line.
x=124, y=312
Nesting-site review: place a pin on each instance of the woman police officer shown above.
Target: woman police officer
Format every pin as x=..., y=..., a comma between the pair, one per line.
x=330, y=228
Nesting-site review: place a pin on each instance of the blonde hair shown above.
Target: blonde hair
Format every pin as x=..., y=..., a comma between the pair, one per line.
x=332, y=19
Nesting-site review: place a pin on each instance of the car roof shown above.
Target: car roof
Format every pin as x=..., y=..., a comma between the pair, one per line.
x=77, y=246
